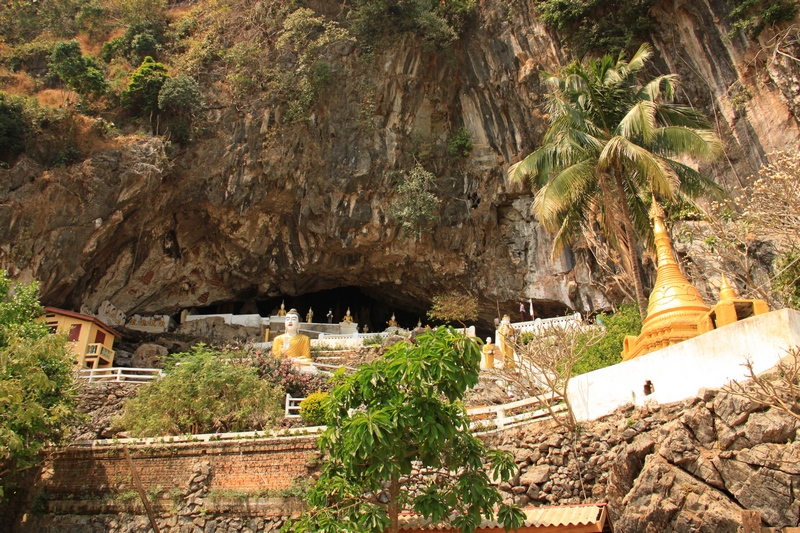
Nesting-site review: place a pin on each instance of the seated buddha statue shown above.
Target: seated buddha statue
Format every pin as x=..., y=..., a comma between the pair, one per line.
x=292, y=344
x=282, y=310
x=392, y=322
x=347, y=317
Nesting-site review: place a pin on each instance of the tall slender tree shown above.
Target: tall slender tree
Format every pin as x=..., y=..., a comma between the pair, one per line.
x=612, y=142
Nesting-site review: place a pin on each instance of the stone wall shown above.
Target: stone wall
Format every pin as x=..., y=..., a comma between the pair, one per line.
x=690, y=466
x=101, y=402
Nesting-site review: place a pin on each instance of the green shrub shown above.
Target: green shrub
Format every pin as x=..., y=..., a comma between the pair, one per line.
x=787, y=280
x=180, y=95
x=312, y=409
x=460, y=144
x=373, y=340
x=206, y=390
x=37, y=394
x=416, y=206
x=78, y=72
x=626, y=321
x=144, y=86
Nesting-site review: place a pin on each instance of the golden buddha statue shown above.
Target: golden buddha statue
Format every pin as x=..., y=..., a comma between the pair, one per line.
x=282, y=310
x=488, y=353
x=507, y=337
x=292, y=344
x=347, y=317
x=675, y=305
x=309, y=315
x=392, y=322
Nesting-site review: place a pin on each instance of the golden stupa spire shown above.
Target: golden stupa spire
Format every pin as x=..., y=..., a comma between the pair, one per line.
x=674, y=305
x=726, y=291
x=672, y=290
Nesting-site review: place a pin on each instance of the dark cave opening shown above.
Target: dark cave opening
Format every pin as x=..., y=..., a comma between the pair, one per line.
x=374, y=307
x=365, y=309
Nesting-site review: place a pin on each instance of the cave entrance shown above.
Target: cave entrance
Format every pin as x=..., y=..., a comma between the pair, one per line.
x=364, y=308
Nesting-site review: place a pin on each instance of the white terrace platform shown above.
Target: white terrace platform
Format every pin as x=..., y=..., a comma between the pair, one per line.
x=679, y=371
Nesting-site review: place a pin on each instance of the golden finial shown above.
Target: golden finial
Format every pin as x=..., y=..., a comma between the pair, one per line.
x=726, y=291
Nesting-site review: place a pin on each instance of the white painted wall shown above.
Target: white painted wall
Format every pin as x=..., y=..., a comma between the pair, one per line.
x=251, y=321
x=679, y=371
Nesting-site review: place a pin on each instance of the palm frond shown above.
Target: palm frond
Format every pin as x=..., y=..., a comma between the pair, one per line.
x=694, y=184
x=639, y=121
x=642, y=56
x=620, y=152
x=676, y=115
x=680, y=140
x=564, y=190
x=653, y=90
x=569, y=229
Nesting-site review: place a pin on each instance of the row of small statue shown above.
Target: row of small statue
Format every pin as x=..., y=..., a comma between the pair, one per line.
x=392, y=322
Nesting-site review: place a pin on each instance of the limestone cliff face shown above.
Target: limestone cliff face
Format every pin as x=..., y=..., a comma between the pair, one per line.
x=258, y=208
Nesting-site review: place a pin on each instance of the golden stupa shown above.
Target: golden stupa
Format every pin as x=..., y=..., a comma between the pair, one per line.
x=675, y=305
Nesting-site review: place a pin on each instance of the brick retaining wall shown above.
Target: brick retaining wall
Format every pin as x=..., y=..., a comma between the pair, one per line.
x=248, y=465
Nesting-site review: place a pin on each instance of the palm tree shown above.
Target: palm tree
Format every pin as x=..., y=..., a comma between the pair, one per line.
x=611, y=144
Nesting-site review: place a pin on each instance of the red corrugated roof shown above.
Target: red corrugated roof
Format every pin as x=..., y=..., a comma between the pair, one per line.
x=88, y=318
x=568, y=517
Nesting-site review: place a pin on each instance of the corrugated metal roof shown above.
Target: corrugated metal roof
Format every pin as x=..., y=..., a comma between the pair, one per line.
x=560, y=516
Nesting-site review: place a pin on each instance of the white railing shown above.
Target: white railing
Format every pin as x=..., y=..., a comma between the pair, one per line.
x=352, y=340
x=540, y=323
x=293, y=406
x=497, y=415
x=492, y=415
x=98, y=349
x=119, y=374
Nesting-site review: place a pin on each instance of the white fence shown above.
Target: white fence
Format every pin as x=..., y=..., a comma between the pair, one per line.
x=539, y=323
x=119, y=374
x=498, y=415
x=293, y=406
x=492, y=417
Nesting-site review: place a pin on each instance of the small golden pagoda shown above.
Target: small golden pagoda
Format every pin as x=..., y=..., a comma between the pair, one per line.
x=675, y=305
x=730, y=309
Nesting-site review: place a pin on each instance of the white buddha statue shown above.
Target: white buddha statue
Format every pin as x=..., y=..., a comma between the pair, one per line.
x=292, y=344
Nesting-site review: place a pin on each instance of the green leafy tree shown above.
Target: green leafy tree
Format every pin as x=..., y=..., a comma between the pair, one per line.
x=395, y=417
x=78, y=72
x=209, y=391
x=612, y=142
x=416, y=206
x=144, y=86
x=37, y=395
x=180, y=95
